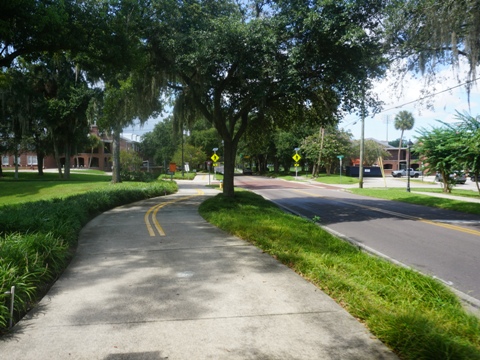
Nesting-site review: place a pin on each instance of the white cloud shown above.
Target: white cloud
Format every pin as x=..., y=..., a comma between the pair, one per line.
x=442, y=106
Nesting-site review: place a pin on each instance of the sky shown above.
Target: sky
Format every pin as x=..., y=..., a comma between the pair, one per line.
x=381, y=126
x=445, y=105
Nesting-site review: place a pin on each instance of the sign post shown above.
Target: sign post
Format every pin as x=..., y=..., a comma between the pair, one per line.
x=215, y=158
x=209, y=165
x=296, y=158
x=340, y=157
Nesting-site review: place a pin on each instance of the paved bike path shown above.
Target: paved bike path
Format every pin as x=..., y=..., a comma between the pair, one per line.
x=193, y=293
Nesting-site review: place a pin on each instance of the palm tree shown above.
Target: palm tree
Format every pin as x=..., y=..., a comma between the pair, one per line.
x=403, y=121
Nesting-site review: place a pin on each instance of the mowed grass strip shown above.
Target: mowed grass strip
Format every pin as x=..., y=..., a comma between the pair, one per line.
x=322, y=178
x=420, y=199
x=417, y=316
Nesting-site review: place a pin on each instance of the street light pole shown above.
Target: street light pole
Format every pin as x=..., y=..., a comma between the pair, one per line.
x=340, y=157
x=362, y=143
x=183, y=168
x=409, y=144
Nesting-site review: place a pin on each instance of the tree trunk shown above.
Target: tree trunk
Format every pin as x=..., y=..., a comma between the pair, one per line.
x=476, y=181
x=116, y=157
x=66, y=172
x=40, y=158
x=446, y=185
x=276, y=165
x=57, y=158
x=328, y=168
x=230, y=150
x=15, y=157
x=262, y=163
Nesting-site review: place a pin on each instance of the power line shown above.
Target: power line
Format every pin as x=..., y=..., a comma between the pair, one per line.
x=428, y=96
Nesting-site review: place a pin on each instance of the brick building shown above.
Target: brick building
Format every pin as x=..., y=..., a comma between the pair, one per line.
x=394, y=162
x=99, y=158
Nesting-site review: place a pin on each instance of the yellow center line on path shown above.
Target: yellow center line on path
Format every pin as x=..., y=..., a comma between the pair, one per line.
x=415, y=218
x=152, y=213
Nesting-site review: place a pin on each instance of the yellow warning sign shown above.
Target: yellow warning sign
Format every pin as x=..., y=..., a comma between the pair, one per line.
x=215, y=157
x=296, y=157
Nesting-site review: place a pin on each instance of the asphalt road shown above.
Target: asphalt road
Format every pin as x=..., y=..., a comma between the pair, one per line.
x=440, y=243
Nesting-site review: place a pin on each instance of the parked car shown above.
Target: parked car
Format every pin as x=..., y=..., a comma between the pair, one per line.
x=247, y=171
x=458, y=176
x=403, y=172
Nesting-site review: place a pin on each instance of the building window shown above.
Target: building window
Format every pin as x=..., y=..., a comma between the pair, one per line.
x=5, y=160
x=32, y=160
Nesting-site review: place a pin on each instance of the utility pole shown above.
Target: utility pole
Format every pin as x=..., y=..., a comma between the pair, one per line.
x=316, y=169
x=183, y=168
x=362, y=143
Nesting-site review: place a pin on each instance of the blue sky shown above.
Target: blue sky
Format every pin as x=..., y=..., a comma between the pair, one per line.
x=444, y=105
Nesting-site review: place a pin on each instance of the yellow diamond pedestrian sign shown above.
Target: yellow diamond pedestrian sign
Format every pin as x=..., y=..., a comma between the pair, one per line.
x=215, y=157
x=296, y=157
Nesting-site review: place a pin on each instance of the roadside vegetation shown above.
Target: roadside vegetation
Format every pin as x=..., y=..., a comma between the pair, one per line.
x=415, y=315
x=307, y=176
x=39, y=231
x=416, y=197
x=336, y=179
x=178, y=176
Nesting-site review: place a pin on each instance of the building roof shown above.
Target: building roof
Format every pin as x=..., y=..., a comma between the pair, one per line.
x=130, y=137
x=383, y=143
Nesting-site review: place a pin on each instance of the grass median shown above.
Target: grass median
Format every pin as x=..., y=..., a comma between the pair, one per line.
x=417, y=316
x=322, y=178
x=39, y=231
x=416, y=197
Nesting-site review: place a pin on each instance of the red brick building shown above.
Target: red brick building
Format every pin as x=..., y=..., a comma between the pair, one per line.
x=99, y=158
x=394, y=162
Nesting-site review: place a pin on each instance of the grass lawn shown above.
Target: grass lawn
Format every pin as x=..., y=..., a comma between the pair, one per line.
x=336, y=179
x=31, y=187
x=323, y=178
x=455, y=192
x=415, y=315
x=420, y=199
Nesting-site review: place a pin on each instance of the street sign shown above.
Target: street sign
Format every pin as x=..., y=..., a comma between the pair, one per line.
x=215, y=158
x=296, y=157
x=215, y=164
x=296, y=165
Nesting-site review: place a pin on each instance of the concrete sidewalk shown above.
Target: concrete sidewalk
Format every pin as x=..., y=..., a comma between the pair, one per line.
x=194, y=293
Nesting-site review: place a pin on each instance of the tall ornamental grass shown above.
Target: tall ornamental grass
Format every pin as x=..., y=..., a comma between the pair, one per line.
x=37, y=238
